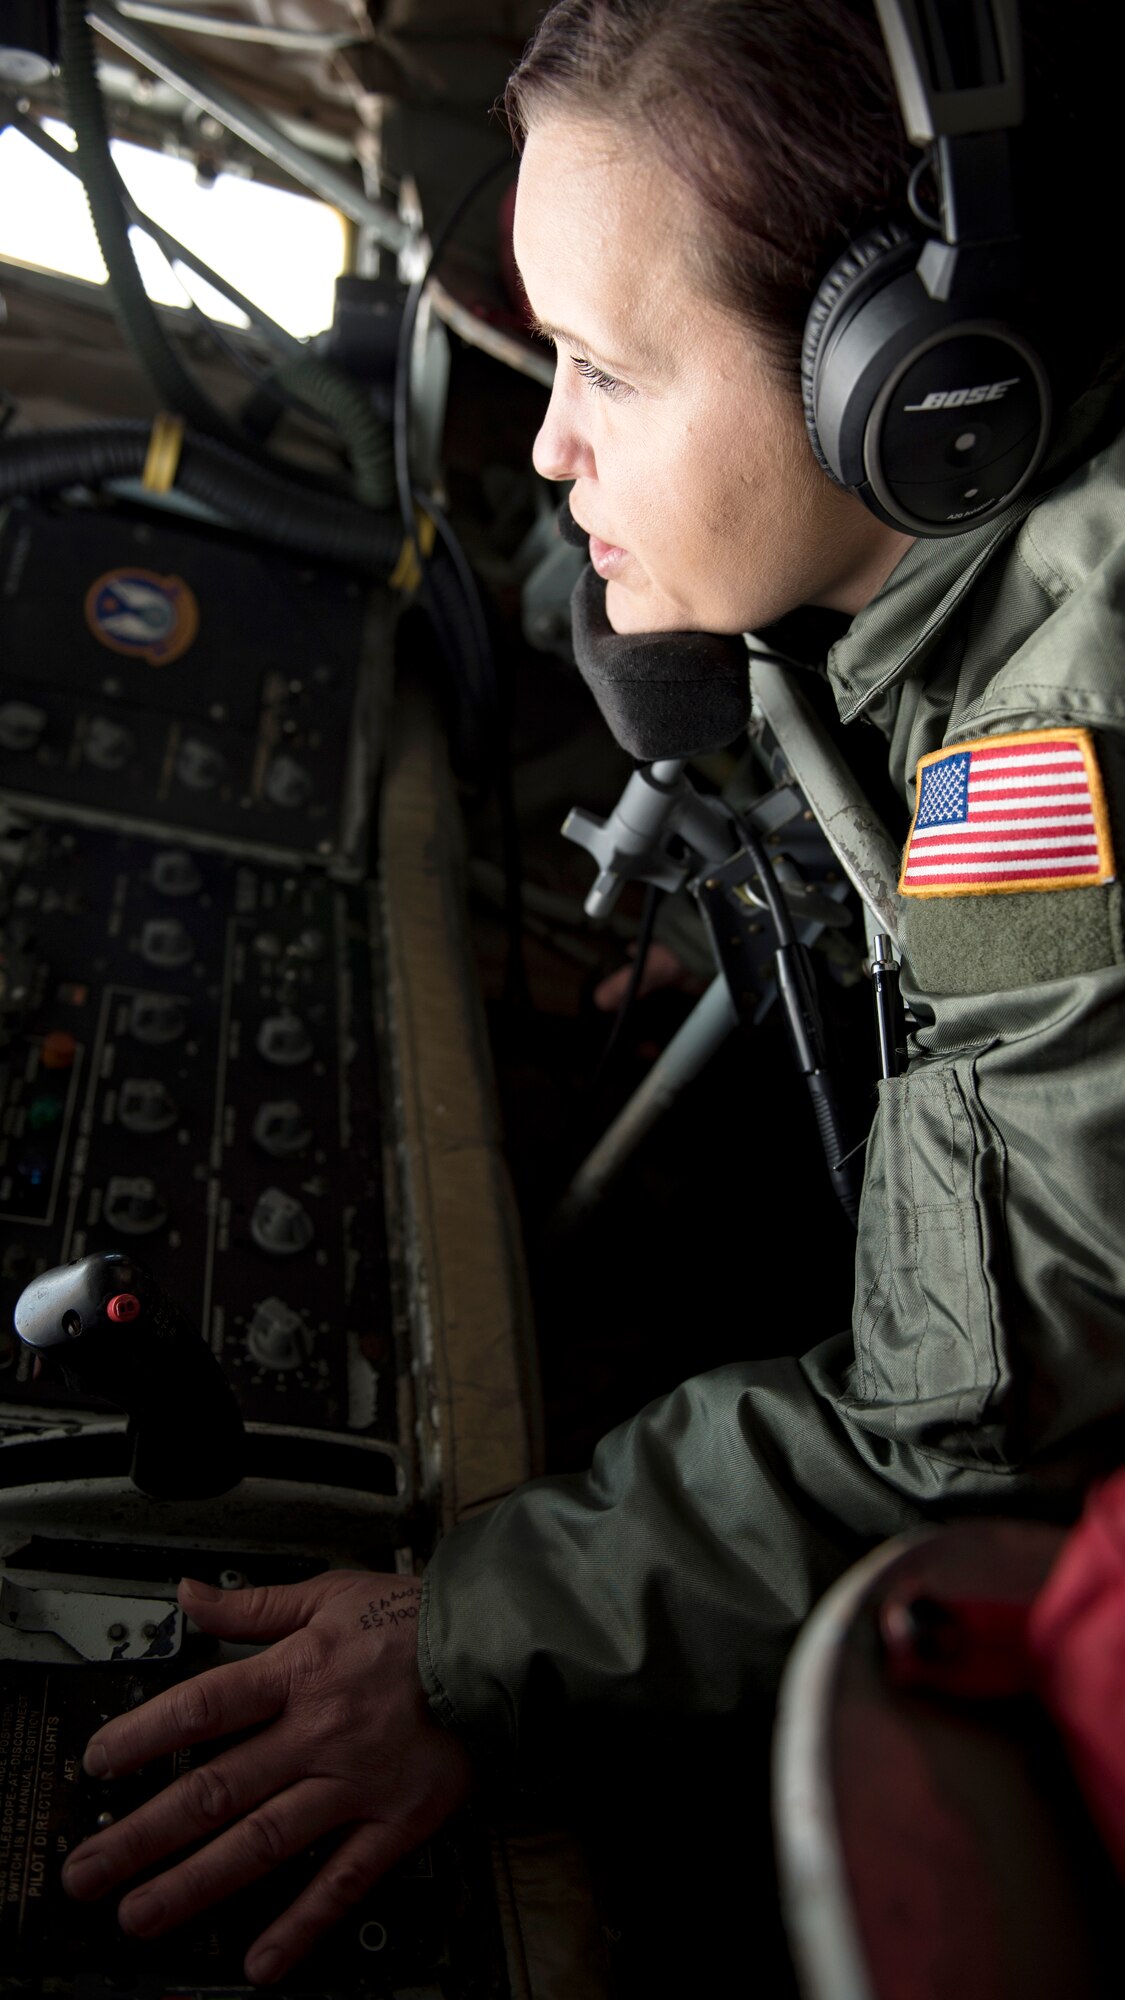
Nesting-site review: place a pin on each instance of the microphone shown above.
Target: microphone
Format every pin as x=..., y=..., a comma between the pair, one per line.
x=569, y=528
x=664, y=695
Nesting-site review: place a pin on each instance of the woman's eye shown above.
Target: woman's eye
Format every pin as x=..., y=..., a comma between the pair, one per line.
x=607, y=385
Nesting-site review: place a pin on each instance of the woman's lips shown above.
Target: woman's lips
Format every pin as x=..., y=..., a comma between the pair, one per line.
x=606, y=557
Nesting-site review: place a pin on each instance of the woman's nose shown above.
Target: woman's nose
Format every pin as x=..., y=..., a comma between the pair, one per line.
x=561, y=450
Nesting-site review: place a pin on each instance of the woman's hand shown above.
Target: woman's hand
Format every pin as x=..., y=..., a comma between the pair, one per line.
x=349, y=1741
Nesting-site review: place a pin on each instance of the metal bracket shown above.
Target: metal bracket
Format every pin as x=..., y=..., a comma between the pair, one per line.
x=64, y=1623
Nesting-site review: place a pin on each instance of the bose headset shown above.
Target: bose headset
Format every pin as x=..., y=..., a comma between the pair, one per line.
x=920, y=394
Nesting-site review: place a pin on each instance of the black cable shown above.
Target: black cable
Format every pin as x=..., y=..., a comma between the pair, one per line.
x=265, y=503
x=918, y=209
x=649, y=909
x=136, y=314
x=406, y=338
x=487, y=684
x=179, y=259
x=796, y=990
x=342, y=403
x=767, y=881
x=401, y=424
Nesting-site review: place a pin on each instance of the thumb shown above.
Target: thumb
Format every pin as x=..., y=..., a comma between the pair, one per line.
x=262, y=1611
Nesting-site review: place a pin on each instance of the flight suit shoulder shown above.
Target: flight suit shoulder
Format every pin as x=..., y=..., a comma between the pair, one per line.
x=1010, y=873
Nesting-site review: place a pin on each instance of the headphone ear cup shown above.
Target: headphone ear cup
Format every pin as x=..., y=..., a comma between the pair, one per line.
x=864, y=268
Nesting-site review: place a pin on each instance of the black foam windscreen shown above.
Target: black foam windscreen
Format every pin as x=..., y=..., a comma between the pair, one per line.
x=569, y=528
x=663, y=694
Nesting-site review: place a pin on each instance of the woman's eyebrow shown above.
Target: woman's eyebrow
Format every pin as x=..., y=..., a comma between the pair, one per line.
x=559, y=336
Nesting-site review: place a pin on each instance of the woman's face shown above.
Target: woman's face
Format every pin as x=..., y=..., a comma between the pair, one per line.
x=692, y=472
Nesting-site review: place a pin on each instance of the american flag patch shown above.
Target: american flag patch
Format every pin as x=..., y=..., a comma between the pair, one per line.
x=1009, y=812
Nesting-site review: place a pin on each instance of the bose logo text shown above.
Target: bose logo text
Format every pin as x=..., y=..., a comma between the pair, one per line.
x=954, y=399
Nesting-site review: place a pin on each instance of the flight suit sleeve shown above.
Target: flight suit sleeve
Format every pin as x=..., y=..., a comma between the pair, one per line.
x=670, y=1578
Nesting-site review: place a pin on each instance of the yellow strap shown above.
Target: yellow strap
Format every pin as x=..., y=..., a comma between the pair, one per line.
x=407, y=572
x=163, y=459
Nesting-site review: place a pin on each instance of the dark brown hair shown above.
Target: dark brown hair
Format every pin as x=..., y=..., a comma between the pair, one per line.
x=781, y=116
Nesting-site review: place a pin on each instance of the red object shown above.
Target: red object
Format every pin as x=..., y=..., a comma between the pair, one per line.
x=1067, y=1646
x=59, y=1050
x=972, y=1647
x=1076, y=1636
x=125, y=1305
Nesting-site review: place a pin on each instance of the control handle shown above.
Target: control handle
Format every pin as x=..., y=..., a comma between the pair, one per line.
x=107, y=1327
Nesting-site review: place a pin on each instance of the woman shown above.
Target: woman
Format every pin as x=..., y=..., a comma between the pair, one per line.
x=691, y=170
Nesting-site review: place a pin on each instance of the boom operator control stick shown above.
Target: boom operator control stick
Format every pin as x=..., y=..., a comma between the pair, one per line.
x=108, y=1329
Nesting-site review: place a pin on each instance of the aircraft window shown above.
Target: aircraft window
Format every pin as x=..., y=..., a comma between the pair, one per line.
x=282, y=250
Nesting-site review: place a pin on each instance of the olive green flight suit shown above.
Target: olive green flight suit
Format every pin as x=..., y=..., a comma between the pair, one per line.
x=985, y=1368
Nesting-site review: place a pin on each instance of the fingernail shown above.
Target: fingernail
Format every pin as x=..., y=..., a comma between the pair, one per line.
x=96, y=1763
x=84, y=1874
x=140, y=1913
x=207, y=1591
x=263, y=1968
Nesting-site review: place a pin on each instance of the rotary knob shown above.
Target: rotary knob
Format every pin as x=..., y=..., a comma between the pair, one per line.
x=175, y=872
x=144, y=1104
x=309, y=947
x=156, y=1018
x=107, y=745
x=279, y=1225
x=21, y=725
x=200, y=766
x=281, y=1127
x=166, y=942
x=133, y=1206
x=278, y=1336
x=285, y=1040
x=288, y=784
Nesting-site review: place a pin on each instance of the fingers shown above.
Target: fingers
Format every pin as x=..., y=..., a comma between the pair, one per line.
x=197, y=1805
x=356, y=1866
x=273, y=1833
x=213, y=1704
x=265, y=1612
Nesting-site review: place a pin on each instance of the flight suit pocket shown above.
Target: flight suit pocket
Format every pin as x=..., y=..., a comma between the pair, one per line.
x=926, y=1305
